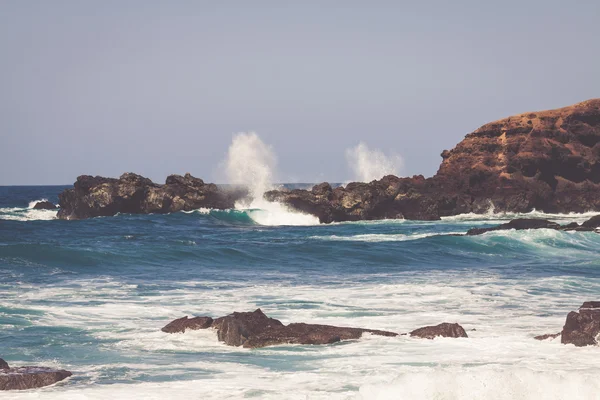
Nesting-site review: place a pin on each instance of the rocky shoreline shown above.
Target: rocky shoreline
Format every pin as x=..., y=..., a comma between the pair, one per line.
x=255, y=330
x=548, y=161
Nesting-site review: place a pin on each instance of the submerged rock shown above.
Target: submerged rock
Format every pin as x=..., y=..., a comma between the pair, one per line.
x=517, y=224
x=44, y=205
x=547, y=160
x=134, y=194
x=582, y=328
x=442, y=330
x=21, y=378
x=255, y=329
x=547, y=336
x=525, y=223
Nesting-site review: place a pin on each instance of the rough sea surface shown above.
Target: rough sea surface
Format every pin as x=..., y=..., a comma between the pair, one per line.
x=91, y=296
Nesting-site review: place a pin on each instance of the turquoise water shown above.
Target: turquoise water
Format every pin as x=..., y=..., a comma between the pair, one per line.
x=91, y=296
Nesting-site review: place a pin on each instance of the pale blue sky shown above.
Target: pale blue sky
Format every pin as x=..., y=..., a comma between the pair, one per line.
x=160, y=87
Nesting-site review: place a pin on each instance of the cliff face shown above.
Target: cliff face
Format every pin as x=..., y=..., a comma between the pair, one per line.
x=548, y=160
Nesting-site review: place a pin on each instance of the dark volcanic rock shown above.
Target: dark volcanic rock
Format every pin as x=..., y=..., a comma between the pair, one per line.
x=22, y=378
x=517, y=224
x=180, y=325
x=582, y=328
x=444, y=330
x=547, y=336
x=255, y=329
x=3, y=364
x=547, y=160
x=525, y=223
x=131, y=193
x=44, y=205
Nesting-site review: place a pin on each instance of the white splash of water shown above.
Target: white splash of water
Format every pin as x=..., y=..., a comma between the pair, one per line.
x=252, y=163
x=370, y=164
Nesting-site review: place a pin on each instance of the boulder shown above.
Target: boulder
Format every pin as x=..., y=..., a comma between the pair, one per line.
x=134, y=194
x=582, y=328
x=444, y=330
x=21, y=378
x=3, y=364
x=255, y=329
x=44, y=205
x=182, y=324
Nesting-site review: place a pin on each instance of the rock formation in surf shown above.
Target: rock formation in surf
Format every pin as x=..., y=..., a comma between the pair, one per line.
x=44, y=205
x=582, y=328
x=131, y=193
x=442, y=330
x=255, y=329
x=548, y=161
x=591, y=225
x=21, y=378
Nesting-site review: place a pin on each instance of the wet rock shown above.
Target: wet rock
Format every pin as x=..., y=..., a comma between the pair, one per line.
x=21, y=378
x=525, y=223
x=517, y=224
x=444, y=330
x=44, y=205
x=255, y=329
x=547, y=160
x=582, y=328
x=134, y=194
x=3, y=364
x=182, y=324
x=547, y=336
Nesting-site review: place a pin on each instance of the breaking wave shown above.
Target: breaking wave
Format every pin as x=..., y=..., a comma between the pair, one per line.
x=27, y=213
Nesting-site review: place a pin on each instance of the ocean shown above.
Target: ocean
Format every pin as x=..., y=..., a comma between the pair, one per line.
x=91, y=296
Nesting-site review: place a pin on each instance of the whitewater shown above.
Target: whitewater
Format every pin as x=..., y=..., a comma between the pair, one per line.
x=91, y=296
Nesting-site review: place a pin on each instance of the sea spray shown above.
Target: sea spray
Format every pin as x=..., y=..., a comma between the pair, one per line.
x=252, y=163
x=370, y=164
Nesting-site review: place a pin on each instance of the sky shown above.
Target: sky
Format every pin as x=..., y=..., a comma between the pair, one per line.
x=161, y=87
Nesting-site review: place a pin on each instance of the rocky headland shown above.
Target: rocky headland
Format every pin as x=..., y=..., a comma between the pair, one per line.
x=546, y=160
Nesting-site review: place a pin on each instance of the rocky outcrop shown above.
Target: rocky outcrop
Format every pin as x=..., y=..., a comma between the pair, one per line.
x=21, y=378
x=182, y=324
x=582, y=328
x=255, y=329
x=442, y=330
x=590, y=225
x=548, y=161
x=44, y=205
x=131, y=193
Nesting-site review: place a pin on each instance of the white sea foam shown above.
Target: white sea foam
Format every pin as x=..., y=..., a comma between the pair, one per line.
x=500, y=360
x=369, y=164
x=252, y=163
x=27, y=213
